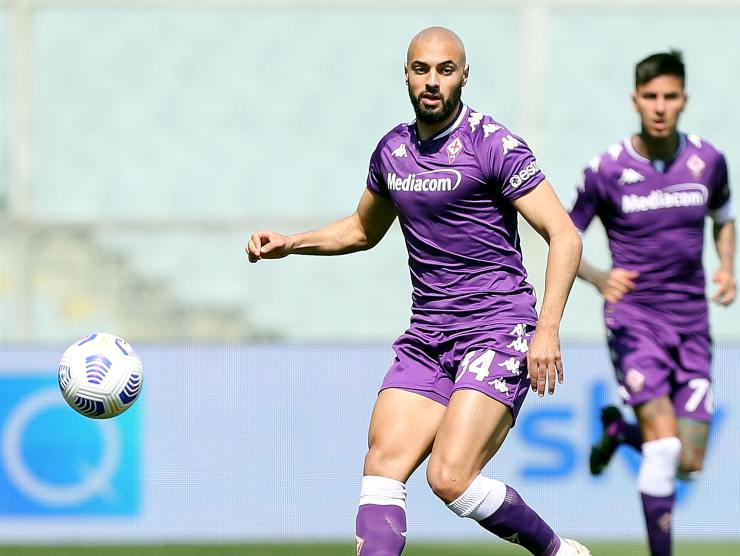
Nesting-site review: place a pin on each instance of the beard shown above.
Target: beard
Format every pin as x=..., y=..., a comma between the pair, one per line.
x=429, y=115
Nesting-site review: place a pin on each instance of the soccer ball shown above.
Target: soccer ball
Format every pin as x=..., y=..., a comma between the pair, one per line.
x=100, y=376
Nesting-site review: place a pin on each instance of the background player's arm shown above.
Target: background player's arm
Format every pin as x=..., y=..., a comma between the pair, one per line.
x=613, y=284
x=543, y=210
x=724, y=241
x=359, y=231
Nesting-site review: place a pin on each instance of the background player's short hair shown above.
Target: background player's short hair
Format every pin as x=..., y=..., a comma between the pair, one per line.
x=663, y=63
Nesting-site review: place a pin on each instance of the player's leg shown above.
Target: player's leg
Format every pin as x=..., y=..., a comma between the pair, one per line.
x=405, y=419
x=615, y=431
x=694, y=435
x=642, y=365
x=693, y=402
x=402, y=431
x=489, y=369
x=656, y=480
x=472, y=430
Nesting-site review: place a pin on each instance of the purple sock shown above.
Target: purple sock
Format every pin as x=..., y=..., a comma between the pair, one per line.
x=657, y=511
x=516, y=522
x=380, y=530
x=626, y=433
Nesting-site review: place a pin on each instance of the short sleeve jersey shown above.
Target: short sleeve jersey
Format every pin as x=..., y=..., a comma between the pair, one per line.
x=453, y=193
x=654, y=217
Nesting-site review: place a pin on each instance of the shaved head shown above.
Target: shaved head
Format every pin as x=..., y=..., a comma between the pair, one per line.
x=437, y=38
x=436, y=72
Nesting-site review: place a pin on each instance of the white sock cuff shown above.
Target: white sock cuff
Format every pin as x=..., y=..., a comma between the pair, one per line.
x=659, y=466
x=382, y=491
x=481, y=499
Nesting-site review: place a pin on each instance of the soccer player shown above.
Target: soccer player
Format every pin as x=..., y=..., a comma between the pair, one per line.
x=653, y=192
x=455, y=178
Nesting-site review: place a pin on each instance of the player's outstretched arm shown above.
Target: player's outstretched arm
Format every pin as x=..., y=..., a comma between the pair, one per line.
x=724, y=241
x=361, y=230
x=544, y=211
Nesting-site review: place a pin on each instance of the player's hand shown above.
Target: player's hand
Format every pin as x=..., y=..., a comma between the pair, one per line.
x=544, y=363
x=617, y=283
x=268, y=245
x=726, y=287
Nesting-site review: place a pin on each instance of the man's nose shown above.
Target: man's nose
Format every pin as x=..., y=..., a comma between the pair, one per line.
x=660, y=105
x=432, y=80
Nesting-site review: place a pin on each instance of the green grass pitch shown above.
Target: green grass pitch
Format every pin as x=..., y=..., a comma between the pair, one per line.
x=497, y=549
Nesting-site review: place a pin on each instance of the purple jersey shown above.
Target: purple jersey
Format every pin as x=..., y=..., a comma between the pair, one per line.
x=654, y=216
x=453, y=195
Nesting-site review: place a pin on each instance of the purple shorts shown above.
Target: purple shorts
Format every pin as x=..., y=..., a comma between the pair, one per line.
x=652, y=360
x=491, y=359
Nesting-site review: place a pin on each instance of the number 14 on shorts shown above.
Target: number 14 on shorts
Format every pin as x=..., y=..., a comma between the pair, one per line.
x=479, y=363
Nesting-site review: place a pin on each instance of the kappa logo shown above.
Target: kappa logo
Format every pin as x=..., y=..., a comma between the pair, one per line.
x=400, y=151
x=514, y=539
x=695, y=140
x=518, y=330
x=489, y=129
x=594, y=164
x=512, y=365
x=499, y=385
x=615, y=150
x=474, y=120
x=696, y=165
x=519, y=344
x=453, y=149
x=630, y=176
x=509, y=143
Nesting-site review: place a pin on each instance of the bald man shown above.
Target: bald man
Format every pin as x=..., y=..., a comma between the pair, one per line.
x=456, y=179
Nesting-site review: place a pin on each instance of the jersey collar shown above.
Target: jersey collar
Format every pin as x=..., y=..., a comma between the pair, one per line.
x=659, y=165
x=446, y=131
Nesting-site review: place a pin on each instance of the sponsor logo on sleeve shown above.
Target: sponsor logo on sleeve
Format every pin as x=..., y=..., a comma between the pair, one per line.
x=524, y=174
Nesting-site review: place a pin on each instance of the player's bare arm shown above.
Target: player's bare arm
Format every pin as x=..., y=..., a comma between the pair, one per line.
x=361, y=230
x=545, y=213
x=613, y=284
x=724, y=277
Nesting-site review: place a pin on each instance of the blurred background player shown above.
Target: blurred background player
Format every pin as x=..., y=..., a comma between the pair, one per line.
x=456, y=179
x=652, y=193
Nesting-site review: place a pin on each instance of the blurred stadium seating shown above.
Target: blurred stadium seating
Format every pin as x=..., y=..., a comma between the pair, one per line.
x=152, y=137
